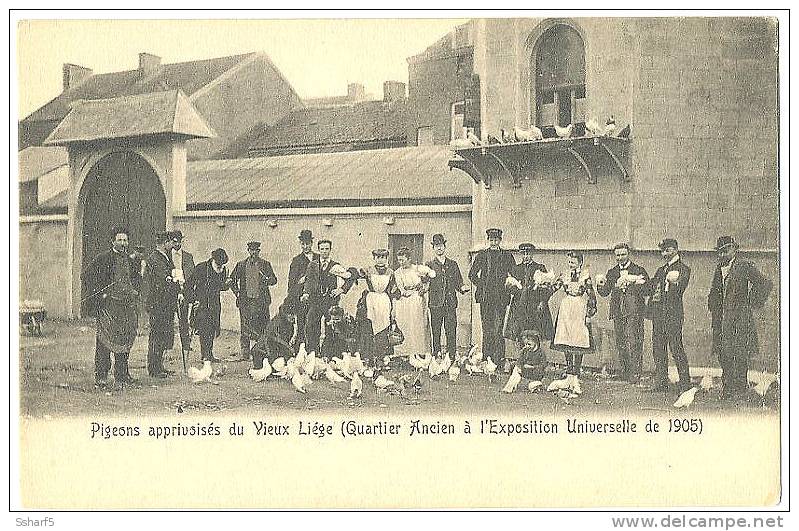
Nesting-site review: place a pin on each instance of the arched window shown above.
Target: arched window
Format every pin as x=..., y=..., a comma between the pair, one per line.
x=558, y=61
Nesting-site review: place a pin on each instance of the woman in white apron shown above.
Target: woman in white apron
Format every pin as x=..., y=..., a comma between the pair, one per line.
x=410, y=309
x=572, y=330
x=374, y=308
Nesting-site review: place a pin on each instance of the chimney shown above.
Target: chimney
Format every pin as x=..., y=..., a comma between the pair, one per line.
x=74, y=74
x=393, y=91
x=356, y=92
x=148, y=62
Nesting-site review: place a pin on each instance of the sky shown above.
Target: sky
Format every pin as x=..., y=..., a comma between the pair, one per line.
x=318, y=57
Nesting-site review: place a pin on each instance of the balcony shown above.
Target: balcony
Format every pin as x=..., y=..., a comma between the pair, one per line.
x=513, y=160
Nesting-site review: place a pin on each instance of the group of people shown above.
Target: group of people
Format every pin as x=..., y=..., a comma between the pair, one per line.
x=514, y=304
x=403, y=312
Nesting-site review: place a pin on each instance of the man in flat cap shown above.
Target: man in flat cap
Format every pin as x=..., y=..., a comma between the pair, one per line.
x=489, y=271
x=625, y=283
x=442, y=297
x=737, y=288
x=529, y=306
x=297, y=276
x=250, y=283
x=160, y=287
x=666, y=289
x=184, y=265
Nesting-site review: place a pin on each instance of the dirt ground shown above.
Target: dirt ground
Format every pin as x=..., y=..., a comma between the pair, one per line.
x=57, y=380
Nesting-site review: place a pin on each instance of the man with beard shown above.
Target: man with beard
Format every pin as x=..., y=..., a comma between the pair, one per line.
x=737, y=288
x=296, y=281
x=112, y=280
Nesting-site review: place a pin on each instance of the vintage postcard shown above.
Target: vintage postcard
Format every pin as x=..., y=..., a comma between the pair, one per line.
x=489, y=261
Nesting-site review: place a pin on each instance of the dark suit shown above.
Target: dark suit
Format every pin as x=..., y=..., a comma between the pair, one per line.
x=627, y=310
x=442, y=299
x=161, y=301
x=319, y=283
x=730, y=302
x=666, y=311
x=529, y=308
x=488, y=273
x=204, y=287
x=297, y=270
x=253, y=311
x=187, y=265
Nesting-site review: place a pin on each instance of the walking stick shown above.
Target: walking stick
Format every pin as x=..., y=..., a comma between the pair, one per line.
x=183, y=352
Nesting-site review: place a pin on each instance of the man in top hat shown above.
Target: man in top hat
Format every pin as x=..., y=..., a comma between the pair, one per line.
x=112, y=281
x=738, y=286
x=297, y=270
x=666, y=289
x=184, y=264
x=160, y=287
x=625, y=283
x=529, y=307
x=250, y=283
x=442, y=295
x=488, y=273
x=321, y=292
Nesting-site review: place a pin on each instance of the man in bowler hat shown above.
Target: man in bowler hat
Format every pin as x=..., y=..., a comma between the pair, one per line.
x=160, y=287
x=737, y=288
x=297, y=275
x=488, y=273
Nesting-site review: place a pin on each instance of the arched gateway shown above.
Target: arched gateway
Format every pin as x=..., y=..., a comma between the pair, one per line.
x=127, y=160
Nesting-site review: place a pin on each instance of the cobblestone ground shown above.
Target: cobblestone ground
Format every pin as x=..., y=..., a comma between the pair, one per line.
x=57, y=380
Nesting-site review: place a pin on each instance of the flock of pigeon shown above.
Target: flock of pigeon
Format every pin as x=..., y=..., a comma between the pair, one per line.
x=304, y=368
x=592, y=129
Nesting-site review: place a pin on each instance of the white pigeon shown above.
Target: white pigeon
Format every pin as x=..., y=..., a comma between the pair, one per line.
x=357, y=363
x=434, y=368
x=369, y=373
x=673, y=276
x=527, y=135
x=475, y=355
x=513, y=381
x=356, y=386
x=201, y=375
x=512, y=282
x=454, y=372
x=333, y=376
x=309, y=365
x=460, y=143
x=420, y=363
x=593, y=128
x=686, y=398
x=446, y=363
x=564, y=132
x=298, y=381
x=471, y=137
x=473, y=369
x=534, y=386
x=489, y=367
x=319, y=368
x=707, y=383
x=540, y=278
x=340, y=271
x=259, y=375
x=302, y=355
x=381, y=382
x=762, y=380
x=279, y=366
x=610, y=126
x=291, y=368
x=346, y=364
x=337, y=363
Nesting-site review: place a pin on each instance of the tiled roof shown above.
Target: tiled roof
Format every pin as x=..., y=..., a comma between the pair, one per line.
x=358, y=123
x=412, y=175
x=188, y=76
x=36, y=161
x=130, y=116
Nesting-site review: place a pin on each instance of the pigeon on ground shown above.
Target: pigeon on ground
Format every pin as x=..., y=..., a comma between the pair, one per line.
x=686, y=398
x=201, y=375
